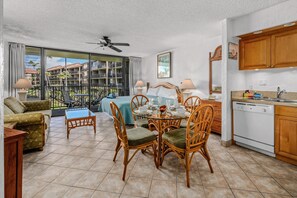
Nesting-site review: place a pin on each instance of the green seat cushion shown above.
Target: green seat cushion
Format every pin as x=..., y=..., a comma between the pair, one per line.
x=184, y=123
x=142, y=123
x=176, y=137
x=15, y=105
x=7, y=110
x=138, y=136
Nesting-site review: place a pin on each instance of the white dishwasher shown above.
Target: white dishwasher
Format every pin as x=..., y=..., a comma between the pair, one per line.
x=254, y=126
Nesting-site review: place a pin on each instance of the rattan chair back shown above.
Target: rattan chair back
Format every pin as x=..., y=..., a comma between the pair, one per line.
x=199, y=127
x=119, y=124
x=192, y=102
x=136, y=102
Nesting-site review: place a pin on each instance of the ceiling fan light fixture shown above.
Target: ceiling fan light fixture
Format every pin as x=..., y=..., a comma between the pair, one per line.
x=106, y=42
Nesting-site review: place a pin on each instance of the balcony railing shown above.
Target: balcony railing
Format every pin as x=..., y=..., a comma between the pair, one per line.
x=56, y=95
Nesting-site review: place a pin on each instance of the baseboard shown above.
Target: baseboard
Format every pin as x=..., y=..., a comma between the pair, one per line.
x=226, y=143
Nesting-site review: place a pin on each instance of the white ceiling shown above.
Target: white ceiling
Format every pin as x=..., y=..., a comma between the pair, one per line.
x=150, y=26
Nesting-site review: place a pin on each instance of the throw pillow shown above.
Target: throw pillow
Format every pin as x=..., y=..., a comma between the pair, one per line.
x=152, y=91
x=15, y=105
x=7, y=111
x=167, y=93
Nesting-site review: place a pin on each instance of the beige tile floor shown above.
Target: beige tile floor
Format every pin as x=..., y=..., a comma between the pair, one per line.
x=82, y=167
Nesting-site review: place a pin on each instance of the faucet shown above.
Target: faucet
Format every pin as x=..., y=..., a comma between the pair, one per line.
x=280, y=92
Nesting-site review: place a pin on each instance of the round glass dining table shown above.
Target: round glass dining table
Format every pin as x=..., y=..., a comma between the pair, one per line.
x=162, y=123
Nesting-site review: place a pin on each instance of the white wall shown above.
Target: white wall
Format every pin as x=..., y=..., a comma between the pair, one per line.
x=279, y=14
x=188, y=61
x=1, y=102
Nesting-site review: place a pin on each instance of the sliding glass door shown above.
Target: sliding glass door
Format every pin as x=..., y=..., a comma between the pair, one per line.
x=74, y=79
x=66, y=79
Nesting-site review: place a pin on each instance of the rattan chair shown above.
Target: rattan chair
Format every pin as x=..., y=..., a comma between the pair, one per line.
x=136, y=102
x=187, y=141
x=136, y=138
x=191, y=103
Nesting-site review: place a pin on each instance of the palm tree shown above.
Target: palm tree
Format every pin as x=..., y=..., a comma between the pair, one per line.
x=64, y=75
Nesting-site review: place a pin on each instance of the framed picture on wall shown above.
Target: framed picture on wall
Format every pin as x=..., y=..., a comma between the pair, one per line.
x=233, y=51
x=164, y=65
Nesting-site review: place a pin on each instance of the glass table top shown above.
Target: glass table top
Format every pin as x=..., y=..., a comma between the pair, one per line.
x=78, y=113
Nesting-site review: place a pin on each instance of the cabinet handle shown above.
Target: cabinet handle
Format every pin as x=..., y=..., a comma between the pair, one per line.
x=272, y=65
x=268, y=66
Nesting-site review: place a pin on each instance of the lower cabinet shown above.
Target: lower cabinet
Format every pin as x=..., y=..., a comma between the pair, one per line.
x=286, y=134
x=217, y=122
x=13, y=162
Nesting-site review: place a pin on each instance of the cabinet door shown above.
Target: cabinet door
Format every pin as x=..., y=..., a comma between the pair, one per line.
x=286, y=136
x=284, y=49
x=254, y=53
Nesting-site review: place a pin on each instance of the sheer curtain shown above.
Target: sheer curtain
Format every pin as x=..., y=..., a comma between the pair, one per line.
x=134, y=72
x=16, y=68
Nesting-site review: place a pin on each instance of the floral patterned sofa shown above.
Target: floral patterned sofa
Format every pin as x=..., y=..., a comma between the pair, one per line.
x=34, y=117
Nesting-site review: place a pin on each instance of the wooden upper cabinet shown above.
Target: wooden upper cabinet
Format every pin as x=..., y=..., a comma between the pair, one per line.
x=254, y=53
x=284, y=49
x=272, y=48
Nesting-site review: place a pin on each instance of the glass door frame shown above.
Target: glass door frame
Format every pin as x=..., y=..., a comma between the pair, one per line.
x=60, y=112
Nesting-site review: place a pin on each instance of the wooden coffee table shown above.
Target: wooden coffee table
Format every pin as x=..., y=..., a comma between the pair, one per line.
x=79, y=117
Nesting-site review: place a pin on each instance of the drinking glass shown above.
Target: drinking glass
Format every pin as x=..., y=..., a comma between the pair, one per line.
x=160, y=100
x=168, y=103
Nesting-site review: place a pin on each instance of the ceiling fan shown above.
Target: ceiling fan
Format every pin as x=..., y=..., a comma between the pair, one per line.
x=106, y=42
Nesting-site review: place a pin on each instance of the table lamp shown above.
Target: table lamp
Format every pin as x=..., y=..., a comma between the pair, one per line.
x=185, y=85
x=23, y=84
x=139, y=85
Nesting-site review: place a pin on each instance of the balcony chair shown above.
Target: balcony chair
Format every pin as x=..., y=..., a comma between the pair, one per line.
x=131, y=139
x=68, y=100
x=184, y=142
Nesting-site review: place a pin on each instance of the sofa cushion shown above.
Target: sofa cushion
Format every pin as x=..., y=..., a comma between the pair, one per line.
x=15, y=105
x=7, y=111
x=45, y=112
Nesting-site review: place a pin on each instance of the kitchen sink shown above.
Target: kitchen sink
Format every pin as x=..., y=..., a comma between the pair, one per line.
x=279, y=100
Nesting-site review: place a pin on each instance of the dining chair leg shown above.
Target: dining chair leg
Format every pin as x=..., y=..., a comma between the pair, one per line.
x=118, y=147
x=205, y=151
x=155, y=155
x=187, y=160
x=126, y=157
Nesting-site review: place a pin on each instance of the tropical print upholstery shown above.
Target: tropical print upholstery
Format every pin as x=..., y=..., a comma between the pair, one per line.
x=38, y=105
x=35, y=121
x=15, y=105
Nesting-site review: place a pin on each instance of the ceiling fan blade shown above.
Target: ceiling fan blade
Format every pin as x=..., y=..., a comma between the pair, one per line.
x=115, y=49
x=92, y=43
x=121, y=44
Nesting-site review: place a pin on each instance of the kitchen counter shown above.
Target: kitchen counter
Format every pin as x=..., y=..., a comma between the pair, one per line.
x=237, y=96
x=259, y=101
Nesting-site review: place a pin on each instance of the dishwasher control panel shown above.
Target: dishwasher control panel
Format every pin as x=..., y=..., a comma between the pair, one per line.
x=252, y=107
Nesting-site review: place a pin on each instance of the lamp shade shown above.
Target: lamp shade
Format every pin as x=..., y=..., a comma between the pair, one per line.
x=23, y=83
x=187, y=84
x=139, y=83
